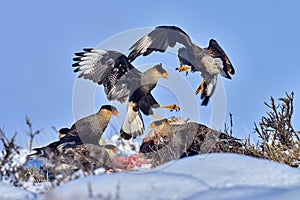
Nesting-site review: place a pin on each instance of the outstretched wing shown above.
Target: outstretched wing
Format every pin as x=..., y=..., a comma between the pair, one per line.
x=159, y=39
x=108, y=68
x=216, y=51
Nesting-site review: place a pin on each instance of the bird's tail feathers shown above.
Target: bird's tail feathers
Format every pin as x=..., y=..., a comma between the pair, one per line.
x=208, y=90
x=52, y=150
x=39, y=152
x=133, y=125
x=43, y=152
x=47, y=152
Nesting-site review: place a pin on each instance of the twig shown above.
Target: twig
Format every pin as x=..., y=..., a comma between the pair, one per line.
x=31, y=133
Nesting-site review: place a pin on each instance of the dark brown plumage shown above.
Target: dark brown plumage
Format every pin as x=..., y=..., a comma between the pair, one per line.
x=81, y=140
x=187, y=139
x=159, y=39
x=210, y=61
x=122, y=81
x=71, y=156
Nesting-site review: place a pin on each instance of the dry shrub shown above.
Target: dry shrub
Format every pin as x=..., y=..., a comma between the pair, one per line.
x=278, y=140
x=11, y=168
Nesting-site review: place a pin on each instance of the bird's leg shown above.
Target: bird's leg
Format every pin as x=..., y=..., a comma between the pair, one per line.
x=201, y=87
x=171, y=107
x=184, y=68
x=157, y=117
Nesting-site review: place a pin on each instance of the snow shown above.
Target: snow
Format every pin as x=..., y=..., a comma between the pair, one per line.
x=213, y=176
x=209, y=176
x=9, y=192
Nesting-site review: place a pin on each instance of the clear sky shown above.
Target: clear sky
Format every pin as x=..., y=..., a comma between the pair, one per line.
x=38, y=40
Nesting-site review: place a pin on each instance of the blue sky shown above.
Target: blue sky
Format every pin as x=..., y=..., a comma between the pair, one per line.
x=38, y=40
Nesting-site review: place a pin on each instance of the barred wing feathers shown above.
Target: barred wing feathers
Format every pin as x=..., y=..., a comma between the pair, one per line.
x=108, y=68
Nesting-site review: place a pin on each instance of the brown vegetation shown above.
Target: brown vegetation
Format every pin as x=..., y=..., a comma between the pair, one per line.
x=278, y=141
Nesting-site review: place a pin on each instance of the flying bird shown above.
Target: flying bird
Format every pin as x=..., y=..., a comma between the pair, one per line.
x=210, y=61
x=122, y=81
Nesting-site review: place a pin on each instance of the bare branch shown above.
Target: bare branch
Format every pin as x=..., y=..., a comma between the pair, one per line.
x=31, y=133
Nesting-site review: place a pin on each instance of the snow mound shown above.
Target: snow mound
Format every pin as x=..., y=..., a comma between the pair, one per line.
x=9, y=192
x=210, y=176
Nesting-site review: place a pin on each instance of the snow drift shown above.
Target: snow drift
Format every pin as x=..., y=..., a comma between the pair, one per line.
x=210, y=176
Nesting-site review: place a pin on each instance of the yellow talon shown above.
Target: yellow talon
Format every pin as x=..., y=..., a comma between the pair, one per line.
x=184, y=68
x=172, y=107
x=157, y=117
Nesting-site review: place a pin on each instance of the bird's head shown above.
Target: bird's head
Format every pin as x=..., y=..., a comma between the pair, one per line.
x=63, y=132
x=111, y=149
x=159, y=123
x=162, y=73
x=161, y=128
x=110, y=110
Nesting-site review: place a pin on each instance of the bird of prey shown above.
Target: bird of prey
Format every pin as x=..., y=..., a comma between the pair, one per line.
x=89, y=129
x=122, y=81
x=210, y=61
x=69, y=155
x=84, y=135
x=158, y=137
x=161, y=127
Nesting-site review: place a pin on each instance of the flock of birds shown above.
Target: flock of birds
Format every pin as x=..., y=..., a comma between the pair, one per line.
x=123, y=82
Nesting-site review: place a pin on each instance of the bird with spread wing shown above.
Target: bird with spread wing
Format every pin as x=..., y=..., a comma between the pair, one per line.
x=210, y=61
x=122, y=81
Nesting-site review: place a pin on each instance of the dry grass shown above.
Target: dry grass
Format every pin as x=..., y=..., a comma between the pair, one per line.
x=9, y=170
x=278, y=141
x=109, y=196
x=31, y=133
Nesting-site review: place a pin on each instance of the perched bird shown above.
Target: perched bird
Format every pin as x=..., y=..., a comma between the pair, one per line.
x=173, y=141
x=89, y=129
x=210, y=61
x=69, y=155
x=122, y=81
x=161, y=127
x=159, y=135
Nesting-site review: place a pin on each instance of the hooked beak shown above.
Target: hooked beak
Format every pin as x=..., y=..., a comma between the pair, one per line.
x=116, y=113
x=164, y=75
x=152, y=125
